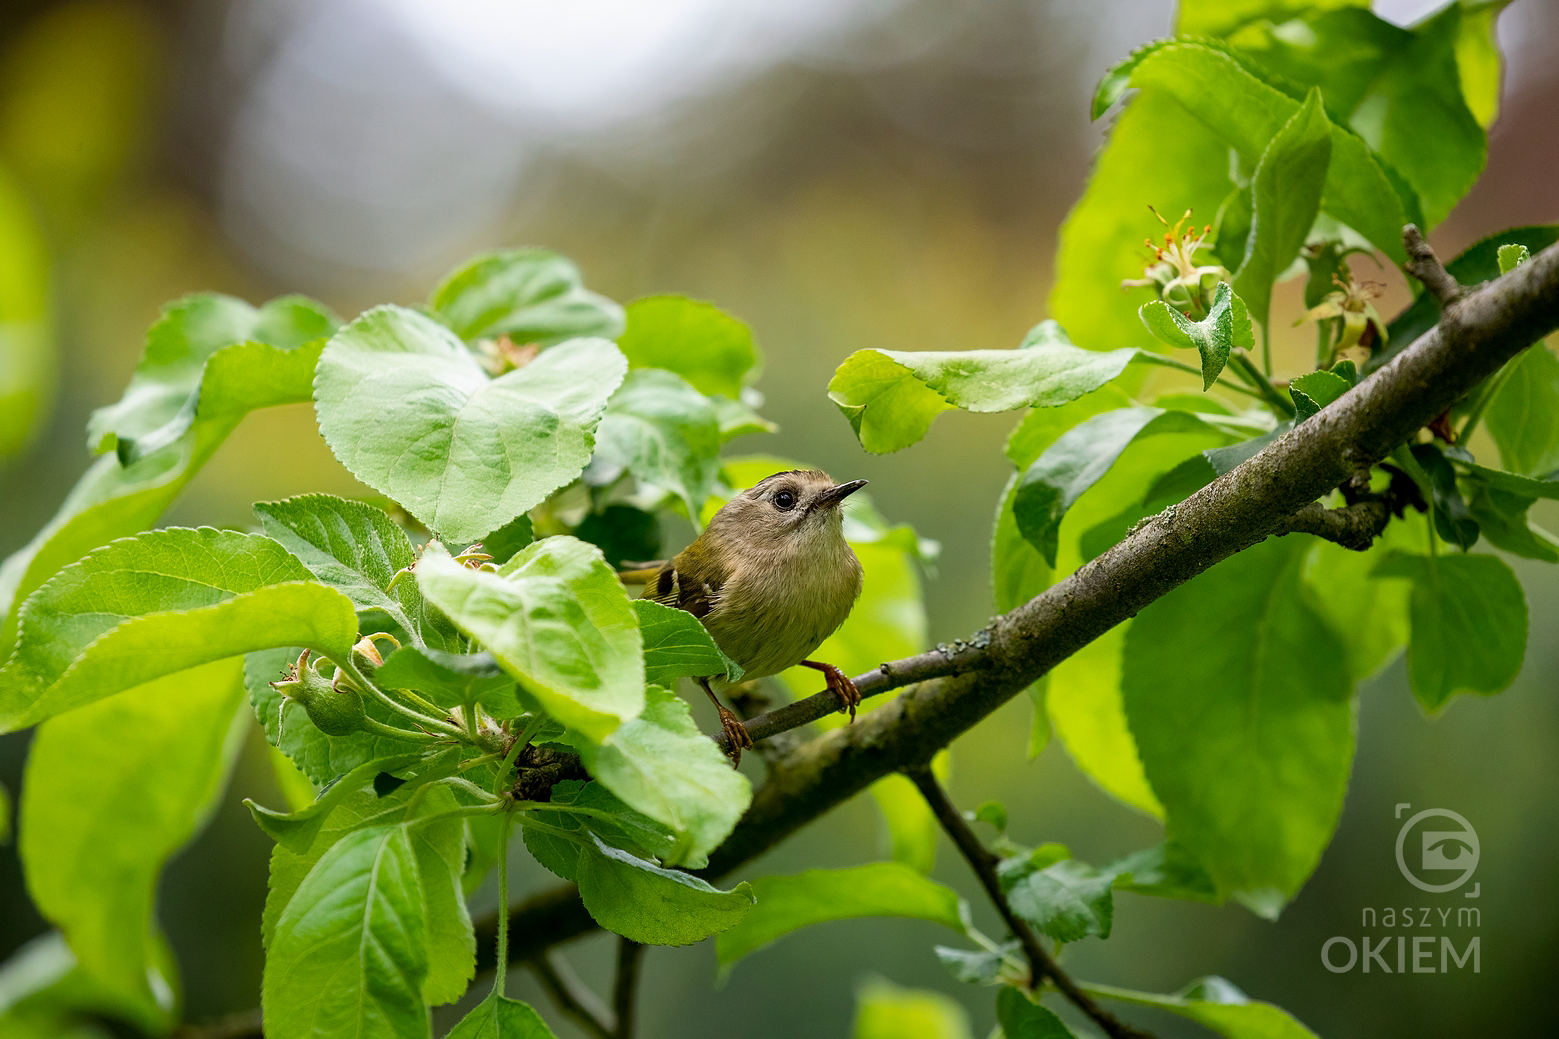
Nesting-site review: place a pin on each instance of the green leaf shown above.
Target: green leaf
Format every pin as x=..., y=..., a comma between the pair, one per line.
x=974, y=966
x=349, y=956
x=557, y=619
x=212, y=356
x=451, y=679
x=700, y=342
x=676, y=645
x=1370, y=614
x=1067, y=900
x=1524, y=486
x=27, y=341
x=1523, y=417
x=1226, y=326
x=440, y=848
x=5, y=816
x=623, y=533
x=409, y=411
x=529, y=295
x=152, y=605
x=789, y=903
x=497, y=1017
x=909, y=825
x=93, y=840
x=1158, y=155
x=1512, y=256
x=655, y=906
x=1240, y=700
x=1502, y=519
x=1078, y=459
x=1218, y=1005
x=351, y=546
x=1315, y=391
x=1220, y=17
x=891, y=396
x=320, y=757
x=662, y=765
x=1478, y=263
x=1469, y=619
x=1452, y=519
x=662, y=431
x=1021, y=1018
x=1206, y=80
x=1286, y=197
x=1478, y=61
x=582, y=807
x=296, y=830
x=738, y=418
x=883, y=1010
x=1164, y=871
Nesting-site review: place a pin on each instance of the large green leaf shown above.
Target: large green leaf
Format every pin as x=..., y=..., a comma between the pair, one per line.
x=1286, y=196
x=1220, y=17
x=698, y=341
x=406, y=407
x=1371, y=614
x=1523, y=417
x=1157, y=155
x=351, y=546
x=296, y=831
x=114, y=500
x=497, y=1017
x=1469, y=624
x=529, y=295
x=662, y=765
x=1218, y=1005
x=664, y=432
x=27, y=363
x=676, y=645
x=654, y=906
x=152, y=605
x=212, y=356
x=891, y=396
x=1077, y=460
x=582, y=809
x=556, y=618
x=452, y=679
x=789, y=903
x=93, y=840
x=1246, y=114
x=1239, y=698
x=349, y=955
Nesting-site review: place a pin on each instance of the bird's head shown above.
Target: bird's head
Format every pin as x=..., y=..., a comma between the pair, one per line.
x=798, y=507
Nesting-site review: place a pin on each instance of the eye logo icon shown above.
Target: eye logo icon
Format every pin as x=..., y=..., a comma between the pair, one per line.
x=1445, y=858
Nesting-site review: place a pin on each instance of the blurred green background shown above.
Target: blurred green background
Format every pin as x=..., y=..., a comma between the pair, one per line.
x=838, y=173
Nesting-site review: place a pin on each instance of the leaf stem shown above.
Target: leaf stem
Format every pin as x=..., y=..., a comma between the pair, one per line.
x=1266, y=348
x=519, y=744
x=1247, y=369
x=1491, y=388
x=630, y=955
x=1042, y=966
x=503, y=903
x=1170, y=362
x=363, y=682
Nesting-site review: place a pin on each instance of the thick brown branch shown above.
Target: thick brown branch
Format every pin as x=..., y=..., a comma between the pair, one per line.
x=1354, y=526
x=1423, y=264
x=1042, y=967
x=1491, y=325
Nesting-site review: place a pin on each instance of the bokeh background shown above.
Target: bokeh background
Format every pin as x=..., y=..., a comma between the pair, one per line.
x=838, y=173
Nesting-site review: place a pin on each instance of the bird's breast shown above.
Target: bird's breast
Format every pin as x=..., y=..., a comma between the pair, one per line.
x=773, y=614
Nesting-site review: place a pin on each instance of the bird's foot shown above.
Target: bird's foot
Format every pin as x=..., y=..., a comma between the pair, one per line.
x=840, y=685
x=736, y=736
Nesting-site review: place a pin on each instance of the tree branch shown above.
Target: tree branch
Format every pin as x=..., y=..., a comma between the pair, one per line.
x=630, y=956
x=1423, y=264
x=571, y=995
x=1042, y=967
x=1490, y=325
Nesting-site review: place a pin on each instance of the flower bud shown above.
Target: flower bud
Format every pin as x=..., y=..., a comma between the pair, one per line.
x=334, y=707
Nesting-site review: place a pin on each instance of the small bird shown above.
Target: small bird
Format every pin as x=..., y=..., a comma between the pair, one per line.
x=771, y=577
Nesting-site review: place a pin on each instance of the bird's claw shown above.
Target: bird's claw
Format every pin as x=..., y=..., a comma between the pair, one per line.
x=840, y=685
x=736, y=735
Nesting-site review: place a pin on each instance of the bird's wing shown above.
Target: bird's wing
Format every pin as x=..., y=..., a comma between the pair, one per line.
x=685, y=589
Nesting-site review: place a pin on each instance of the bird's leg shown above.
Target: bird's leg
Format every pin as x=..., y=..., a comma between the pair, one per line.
x=735, y=731
x=840, y=685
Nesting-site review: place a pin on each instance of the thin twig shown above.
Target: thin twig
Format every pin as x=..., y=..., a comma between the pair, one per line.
x=571, y=995
x=1423, y=264
x=1353, y=526
x=1042, y=967
x=630, y=956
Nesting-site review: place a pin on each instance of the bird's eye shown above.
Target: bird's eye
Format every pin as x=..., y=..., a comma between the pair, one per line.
x=784, y=500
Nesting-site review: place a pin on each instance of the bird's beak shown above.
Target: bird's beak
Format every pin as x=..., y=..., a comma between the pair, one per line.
x=836, y=494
